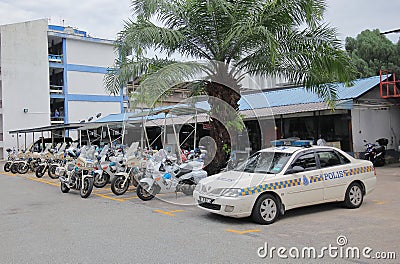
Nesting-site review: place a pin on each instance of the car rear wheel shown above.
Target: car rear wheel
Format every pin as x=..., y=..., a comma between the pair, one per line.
x=266, y=209
x=354, y=196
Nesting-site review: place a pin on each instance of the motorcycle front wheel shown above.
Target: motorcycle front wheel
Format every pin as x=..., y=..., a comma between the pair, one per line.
x=40, y=171
x=188, y=189
x=117, y=185
x=87, y=187
x=100, y=180
x=142, y=193
x=64, y=188
x=52, y=171
x=23, y=168
x=7, y=166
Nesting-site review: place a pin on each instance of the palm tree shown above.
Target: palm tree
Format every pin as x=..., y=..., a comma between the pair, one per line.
x=226, y=39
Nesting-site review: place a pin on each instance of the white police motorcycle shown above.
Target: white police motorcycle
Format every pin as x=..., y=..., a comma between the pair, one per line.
x=78, y=175
x=130, y=170
x=165, y=176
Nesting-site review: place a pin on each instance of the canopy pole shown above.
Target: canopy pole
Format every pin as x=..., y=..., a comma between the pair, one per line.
x=176, y=141
x=25, y=140
x=195, y=130
x=17, y=141
x=87, y=132
x=123, y=132
x=80, y=138
x=33, y=137
x=141, y=137
x=101, y=135
x=165, y=131
x=145, y=135
x=109, y=135
x=64, y=135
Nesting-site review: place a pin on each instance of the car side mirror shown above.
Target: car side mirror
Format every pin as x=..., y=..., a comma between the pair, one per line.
x=295, y=169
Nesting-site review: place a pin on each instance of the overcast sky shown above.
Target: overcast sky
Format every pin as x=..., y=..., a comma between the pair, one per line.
x=104, y=18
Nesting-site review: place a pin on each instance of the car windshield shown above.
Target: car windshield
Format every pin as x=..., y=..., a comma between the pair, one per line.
x=265, y=162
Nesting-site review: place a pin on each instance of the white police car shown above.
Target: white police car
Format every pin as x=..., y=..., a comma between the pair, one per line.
x=277, y=179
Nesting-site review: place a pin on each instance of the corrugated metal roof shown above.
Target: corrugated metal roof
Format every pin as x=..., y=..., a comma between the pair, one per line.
x=178, y=120
x=300, y=95
x=282, y=110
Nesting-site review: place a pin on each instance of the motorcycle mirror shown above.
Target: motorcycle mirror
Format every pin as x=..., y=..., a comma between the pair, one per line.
x=365, y=141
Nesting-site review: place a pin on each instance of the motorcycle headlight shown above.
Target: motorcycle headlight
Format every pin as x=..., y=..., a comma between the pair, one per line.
x=230, y=192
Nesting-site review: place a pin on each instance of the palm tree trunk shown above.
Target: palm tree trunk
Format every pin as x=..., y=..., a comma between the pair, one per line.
x=221, y=115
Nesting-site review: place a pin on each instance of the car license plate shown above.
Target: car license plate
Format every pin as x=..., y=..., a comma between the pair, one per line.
x=205, y=200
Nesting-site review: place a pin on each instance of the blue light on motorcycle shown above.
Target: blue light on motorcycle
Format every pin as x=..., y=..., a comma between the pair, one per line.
x=112, y=163
x=167, y=176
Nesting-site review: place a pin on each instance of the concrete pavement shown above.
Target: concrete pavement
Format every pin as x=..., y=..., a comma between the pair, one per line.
x=39, y=224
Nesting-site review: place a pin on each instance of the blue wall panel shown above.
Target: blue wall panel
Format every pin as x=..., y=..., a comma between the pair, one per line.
x=93, y=98
x=85, y=68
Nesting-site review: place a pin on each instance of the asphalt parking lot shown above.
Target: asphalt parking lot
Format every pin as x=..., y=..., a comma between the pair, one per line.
x=39, y=224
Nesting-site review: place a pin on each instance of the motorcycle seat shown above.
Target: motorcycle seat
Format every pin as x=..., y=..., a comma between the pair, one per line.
x=183, y=171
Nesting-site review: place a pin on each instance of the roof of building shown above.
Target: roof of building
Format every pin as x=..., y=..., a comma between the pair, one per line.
x=73, y=33
x=299, y=95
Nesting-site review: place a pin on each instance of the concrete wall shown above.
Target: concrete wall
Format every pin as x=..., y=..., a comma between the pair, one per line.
x=25, y=77
x=86, y=83
x=371, y=124
x=79, y=110
x=90, y=53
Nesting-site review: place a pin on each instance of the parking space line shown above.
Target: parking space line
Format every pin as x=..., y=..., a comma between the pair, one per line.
x=130, y=198
x=103, y=193
x=169, y=213
x=176, y=211
x=108, y=197
x=244, y=231
x=378, y=202
x=43, y=181
x=8, y=173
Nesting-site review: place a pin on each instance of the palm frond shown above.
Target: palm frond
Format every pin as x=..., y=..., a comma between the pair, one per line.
x=156, y=86
x=311, y=57
x=129, y=69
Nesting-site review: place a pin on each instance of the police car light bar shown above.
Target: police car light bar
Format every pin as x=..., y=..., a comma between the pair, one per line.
x=291, y=142
x=302, y=143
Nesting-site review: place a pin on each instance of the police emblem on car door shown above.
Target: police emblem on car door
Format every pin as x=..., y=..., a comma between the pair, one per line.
x=304, y=170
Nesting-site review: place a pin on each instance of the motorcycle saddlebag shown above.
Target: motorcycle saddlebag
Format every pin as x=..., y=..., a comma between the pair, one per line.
x=382, y=141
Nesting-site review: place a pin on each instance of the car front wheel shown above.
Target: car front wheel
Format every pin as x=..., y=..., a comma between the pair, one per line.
x=266, y=209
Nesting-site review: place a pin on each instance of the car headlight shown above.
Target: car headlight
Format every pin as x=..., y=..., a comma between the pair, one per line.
x=230, y=192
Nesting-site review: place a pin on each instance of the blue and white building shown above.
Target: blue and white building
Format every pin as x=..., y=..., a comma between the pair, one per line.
x=45, y=67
